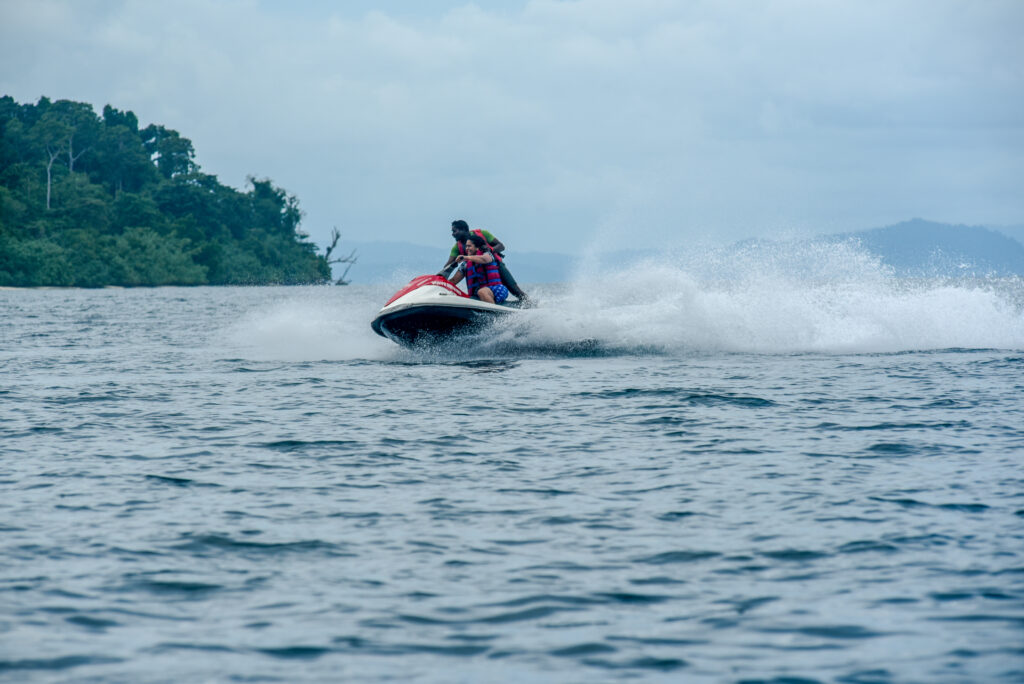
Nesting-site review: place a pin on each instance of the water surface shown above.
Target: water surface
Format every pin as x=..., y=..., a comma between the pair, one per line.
x=794, y=483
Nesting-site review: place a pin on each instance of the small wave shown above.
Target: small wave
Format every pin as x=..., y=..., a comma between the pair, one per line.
x=542, y=492
x=171, y=646
x=296, y=652
x=534, y=613
x=794, y=555
x=173, y=587
x=867, y=545
x=913, y=503
x=910, y=425
x=893, y=448
x=584, y=649
x=86, y=398
x=92, y=623
x=842, y=632
x=289, y=445
x=645, y=663
x=546, y=598
x=677, y=557
x=681, y=396
x=1017, y=621
x=179, y=481
x=676, y=515
x=638, y=599
x=459, y=650
x=965, y=507
x=747, y=605
x=59, y=663
x=212, y=542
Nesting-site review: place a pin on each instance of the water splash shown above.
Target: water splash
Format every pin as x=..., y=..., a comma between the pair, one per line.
x=776, y=298
x=311, y=324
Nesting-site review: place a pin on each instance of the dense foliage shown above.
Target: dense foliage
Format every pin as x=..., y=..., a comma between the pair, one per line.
x=88, y=200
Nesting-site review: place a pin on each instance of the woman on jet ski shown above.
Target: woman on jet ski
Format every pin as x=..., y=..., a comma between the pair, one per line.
x=461, y=233
x=483, y=280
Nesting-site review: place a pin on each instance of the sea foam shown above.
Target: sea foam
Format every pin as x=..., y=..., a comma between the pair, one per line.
x=778, y=298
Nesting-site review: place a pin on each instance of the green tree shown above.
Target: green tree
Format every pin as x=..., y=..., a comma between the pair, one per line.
x=90, y=201
x=82, y=126
x=113, y=118
x=32, y=263
x=153, y=259
x=121, y=162
x=49, y=135
x=172, y=153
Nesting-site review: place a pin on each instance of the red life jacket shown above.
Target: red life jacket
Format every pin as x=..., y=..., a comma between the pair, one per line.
x=481, y=275
x=462, y=246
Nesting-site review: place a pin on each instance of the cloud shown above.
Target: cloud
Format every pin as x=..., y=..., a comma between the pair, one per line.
x=693, y=120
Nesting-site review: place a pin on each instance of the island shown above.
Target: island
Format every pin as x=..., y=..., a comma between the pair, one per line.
x=91, y=200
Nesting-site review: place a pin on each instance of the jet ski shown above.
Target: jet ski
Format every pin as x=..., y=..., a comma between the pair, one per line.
x=430, y=308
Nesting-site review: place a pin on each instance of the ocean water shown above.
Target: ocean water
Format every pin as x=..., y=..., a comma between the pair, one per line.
x=802, y=471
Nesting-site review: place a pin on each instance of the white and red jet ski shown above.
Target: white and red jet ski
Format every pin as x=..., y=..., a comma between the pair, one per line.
x=430, y=308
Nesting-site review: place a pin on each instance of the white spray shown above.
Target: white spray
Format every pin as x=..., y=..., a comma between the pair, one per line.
x=762, y=298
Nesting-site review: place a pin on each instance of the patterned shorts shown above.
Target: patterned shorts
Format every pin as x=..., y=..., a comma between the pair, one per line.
x=500, y=293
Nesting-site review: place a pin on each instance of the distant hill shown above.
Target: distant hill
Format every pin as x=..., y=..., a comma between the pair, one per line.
x=926, y=248
x=1015, y=232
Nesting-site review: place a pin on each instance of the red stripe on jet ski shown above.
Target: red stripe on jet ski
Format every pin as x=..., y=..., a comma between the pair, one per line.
x=419, y=282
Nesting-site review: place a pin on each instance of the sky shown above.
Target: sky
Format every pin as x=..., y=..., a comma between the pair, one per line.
x=562, y=123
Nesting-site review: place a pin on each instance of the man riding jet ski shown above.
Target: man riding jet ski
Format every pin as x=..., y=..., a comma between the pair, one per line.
x=461, y=233
x=432, y=308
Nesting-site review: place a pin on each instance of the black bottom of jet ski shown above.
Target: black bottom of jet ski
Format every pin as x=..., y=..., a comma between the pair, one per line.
x=425, y=324
x=430, y=309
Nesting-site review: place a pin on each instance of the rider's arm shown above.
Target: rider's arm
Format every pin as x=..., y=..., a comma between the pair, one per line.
x=447, y=264
x=494, y=242
x=452, y=256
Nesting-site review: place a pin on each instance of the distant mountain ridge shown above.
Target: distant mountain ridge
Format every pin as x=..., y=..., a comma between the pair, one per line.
x=912, y=248
x=926, y=248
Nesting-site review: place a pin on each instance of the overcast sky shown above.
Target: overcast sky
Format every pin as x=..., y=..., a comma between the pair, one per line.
x=556, y=122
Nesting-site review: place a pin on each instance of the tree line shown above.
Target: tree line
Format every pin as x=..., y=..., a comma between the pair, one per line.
x=90, y=200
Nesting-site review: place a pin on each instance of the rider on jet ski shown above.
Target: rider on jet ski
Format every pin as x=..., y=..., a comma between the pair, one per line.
x=461, y=233
x=480, y=268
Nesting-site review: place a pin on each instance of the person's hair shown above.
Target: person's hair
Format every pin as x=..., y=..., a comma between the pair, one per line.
x=460, y=225
x=480, y=243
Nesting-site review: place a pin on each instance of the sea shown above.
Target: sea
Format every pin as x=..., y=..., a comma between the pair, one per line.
x=790, y=471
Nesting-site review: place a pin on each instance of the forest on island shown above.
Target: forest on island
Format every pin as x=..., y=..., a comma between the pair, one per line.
x=89, y=200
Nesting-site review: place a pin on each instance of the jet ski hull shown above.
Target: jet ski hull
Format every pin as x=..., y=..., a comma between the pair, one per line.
x=426, y=323
x=430, y=309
